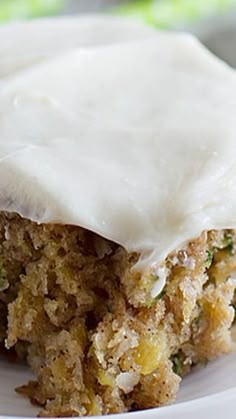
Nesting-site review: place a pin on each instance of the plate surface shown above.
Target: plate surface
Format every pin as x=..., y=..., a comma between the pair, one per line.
x=209, y=393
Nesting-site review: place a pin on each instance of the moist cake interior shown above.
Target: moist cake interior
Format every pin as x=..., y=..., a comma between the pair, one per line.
x=75, y=309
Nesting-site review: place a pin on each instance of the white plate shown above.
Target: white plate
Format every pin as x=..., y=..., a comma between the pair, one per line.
x=219, y=35
x=209, y=393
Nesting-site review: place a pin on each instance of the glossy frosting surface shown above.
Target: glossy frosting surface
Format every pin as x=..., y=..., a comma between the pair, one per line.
x=118, y=128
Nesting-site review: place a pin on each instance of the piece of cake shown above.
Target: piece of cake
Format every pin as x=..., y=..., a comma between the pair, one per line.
x=117, y=211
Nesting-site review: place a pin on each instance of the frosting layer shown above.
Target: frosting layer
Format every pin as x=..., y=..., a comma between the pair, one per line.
x=115, y=127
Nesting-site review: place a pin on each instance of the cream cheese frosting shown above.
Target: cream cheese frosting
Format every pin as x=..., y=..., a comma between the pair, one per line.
x=117, y=128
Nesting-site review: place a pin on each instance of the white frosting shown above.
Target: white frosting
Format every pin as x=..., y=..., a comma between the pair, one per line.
x=161, y=273
x=118, y=128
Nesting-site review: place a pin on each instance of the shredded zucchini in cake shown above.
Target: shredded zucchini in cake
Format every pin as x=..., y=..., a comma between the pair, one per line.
x=96, y=335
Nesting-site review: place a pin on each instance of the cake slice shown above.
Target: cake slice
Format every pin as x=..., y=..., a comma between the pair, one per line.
x=117, y=211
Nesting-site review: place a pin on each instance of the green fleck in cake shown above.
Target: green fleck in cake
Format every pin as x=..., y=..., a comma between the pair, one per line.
x=117, y=211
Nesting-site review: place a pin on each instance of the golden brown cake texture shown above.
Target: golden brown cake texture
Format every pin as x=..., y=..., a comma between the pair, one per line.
x=71, y=304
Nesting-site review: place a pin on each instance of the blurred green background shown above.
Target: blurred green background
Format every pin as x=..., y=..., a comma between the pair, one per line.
x=213, y=21
x=161, y=13
x=21, y=9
